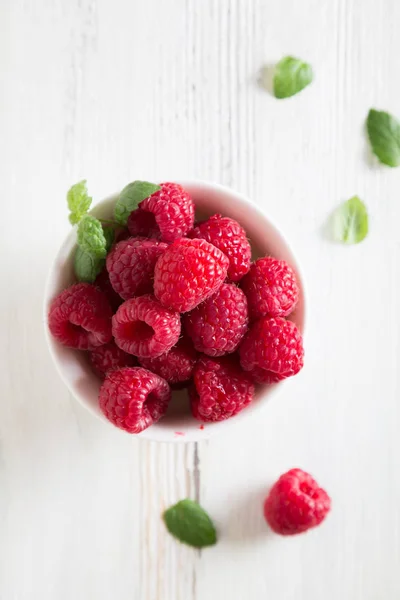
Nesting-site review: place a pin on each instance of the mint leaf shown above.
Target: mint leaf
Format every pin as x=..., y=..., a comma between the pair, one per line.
x=130, y=197
x=190, y=524
x=109, y=235
x=87, y=266
x=78, y=201
x=384, y=135
x=349, y=222
x=291, y=76
x=91, y=237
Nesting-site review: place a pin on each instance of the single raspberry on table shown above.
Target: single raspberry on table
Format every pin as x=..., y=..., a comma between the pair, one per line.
x=144, y=328
x=80, y=317
x=108, y=358
x=273, y=345
x=103, y=282
x=169, y=212
x=175, y=366
x=271, y=288
x=218, y=324
x=132, y=398
x=227, y=235
x=188, y=272
x=296, y=503
x=221, y=389
x=130, y=265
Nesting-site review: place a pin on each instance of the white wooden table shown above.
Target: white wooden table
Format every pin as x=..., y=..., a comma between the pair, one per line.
x=114, y=91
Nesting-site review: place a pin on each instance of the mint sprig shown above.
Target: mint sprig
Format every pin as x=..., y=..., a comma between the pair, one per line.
x=130, y=198
x=349, y=222
x=291, y=76
x=91, y=236
x=190, y=524
x=78, y=201
x=384, y=135
x=87, y=266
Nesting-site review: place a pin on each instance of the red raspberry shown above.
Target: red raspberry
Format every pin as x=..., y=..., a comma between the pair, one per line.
x=80, y=317
x=108, y=358
x=263, y=376
x=171, y=210
x=271, y=288
x=133, y=398
x=103, y=282
x=296, y=503
x=274, y=345
x=187, y=273
x=175, y=366
x=130, y=265
x=218, y=325
x=221, y=389
x=141, y=326
x=227, y=235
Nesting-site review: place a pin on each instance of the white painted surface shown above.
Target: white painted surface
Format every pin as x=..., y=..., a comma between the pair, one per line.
x=122, y=90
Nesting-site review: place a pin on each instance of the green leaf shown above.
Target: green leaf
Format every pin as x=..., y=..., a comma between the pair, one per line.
x=87, y=266
x=190, y=524
x=291, y=76
x=78, y=201
x=130, y=197
x=109, y=234
x=91, y=237
x=349, y=222
x=384, y=135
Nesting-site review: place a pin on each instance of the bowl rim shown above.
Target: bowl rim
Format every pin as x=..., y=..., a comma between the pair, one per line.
x=210, y=429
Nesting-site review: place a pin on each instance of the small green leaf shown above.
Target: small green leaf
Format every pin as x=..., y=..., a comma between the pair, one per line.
x=78, y=201
x=190, y=524
x=109, y=234
x=291, y=76
x=130, y=197
x=384, y=135
x=91, y=237
x=349, y=222
x=87, y=266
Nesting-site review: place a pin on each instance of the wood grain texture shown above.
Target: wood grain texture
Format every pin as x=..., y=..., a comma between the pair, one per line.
x=124, y=90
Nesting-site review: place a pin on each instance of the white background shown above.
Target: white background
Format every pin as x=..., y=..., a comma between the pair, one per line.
x=114, y=91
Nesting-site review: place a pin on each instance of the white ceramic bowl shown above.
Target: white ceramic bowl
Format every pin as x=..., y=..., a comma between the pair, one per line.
x=178, y=424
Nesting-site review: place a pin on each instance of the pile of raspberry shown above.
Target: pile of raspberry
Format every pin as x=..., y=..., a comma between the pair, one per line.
x=180, y=305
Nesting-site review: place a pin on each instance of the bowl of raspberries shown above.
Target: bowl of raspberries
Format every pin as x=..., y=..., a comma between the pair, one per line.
x=172, y=309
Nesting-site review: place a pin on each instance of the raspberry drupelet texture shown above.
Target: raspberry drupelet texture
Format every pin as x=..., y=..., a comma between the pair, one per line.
x=103, y=282
x=144, y=328
x=169, y=213
x=221, y=389
x=188, y=273
x=133, y=398
x=175, y=366
x=227, y=235
x=271, y=288
x=108, y=358
x=274, y=345
x=218, y=325
x=130, y=265
x=80, y=317
x=296, y=503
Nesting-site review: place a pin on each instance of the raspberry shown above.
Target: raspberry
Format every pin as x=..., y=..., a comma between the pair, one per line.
x=143, y=327
x=175, y=366
x=170, y=214
x=103, y=282
x=80, y=317
x=133, y=398
x=187, y=273
x=221, y=389
x=109, y=357
x=227, y=235
x=130, y=265
x=273, y=345
x=271, y=288
x=218, y=325
x=296, y=503
x=263, y=376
